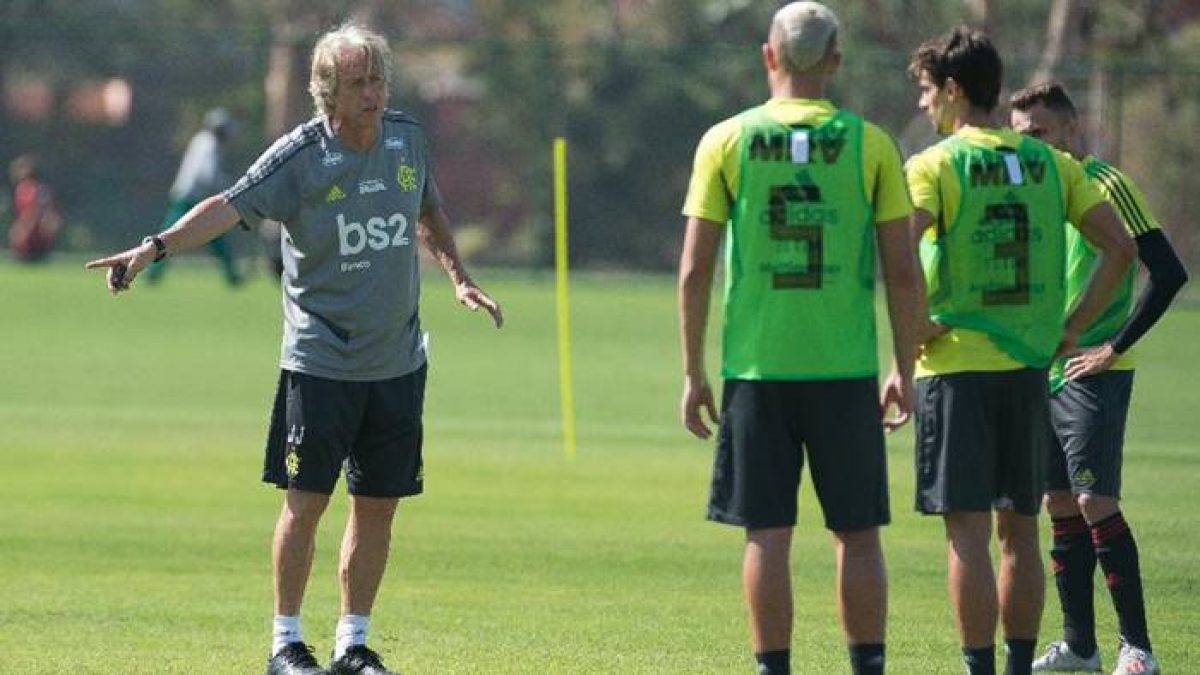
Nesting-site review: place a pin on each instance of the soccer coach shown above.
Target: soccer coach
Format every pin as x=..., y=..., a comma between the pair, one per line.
x=348, y=186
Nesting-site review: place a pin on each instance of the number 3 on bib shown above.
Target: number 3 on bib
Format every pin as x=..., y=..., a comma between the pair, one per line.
x=1015, y=249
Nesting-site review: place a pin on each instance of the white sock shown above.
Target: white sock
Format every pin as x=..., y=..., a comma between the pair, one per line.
x=286, y=630
x=351, y=631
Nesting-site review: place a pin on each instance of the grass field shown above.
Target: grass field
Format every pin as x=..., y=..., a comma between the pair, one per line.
x=134, y=532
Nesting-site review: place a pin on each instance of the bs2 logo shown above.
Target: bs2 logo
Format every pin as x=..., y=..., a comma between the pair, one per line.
x=378, y=233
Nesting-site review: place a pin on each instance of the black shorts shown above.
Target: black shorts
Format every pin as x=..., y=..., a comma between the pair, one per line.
x=766, y=427
x=372, y=428
x=1089, y=434
x=982, y=440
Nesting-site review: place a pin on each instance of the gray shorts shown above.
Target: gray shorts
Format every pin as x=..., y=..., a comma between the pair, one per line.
x=767, y=427
x=1089, y=434
x=982, y=438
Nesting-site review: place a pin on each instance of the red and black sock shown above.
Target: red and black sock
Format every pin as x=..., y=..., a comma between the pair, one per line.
x=1118, y=555
x=1074, y=560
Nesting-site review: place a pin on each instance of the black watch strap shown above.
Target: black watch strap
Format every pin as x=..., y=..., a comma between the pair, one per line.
x=160, y=249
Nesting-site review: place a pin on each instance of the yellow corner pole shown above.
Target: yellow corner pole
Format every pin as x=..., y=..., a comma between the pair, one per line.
x=562, y=302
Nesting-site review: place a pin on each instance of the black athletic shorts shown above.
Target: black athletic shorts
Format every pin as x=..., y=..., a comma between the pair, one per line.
x=766, y=428
x=982, y=440
x=373, y=429
x=1089, y=434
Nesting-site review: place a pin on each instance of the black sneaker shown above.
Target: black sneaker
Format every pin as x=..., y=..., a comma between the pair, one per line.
x=294, y=659
x=358, y=660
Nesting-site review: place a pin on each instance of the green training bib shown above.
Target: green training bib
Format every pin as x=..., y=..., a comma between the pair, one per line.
x=800, y=261
x=999, y=267
x=1081, y=260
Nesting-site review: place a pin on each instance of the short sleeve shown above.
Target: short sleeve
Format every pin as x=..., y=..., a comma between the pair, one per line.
x=890, y=198
x=1079, y=193
x=922, y=176
x=269, y=188
x=1127, y=199
x=431, y=196
x=711, y=190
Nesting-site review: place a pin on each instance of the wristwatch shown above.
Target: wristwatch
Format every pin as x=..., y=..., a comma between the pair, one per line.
x=160, y=249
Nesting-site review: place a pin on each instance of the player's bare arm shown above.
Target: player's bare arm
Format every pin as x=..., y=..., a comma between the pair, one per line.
x=433, y=227
x=927, y=328
x=1103, y=230
x=701, y=244
x=906, y=307
x=924, y=329
x=207, y=220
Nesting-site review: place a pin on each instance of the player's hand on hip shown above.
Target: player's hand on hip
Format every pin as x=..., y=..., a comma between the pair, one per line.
x=472, y=297
x=1090, y=361
x=697, y=398
x=124, y=267
x=897, y=392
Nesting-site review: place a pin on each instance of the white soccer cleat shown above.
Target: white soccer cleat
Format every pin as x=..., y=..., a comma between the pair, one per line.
x=1135, y=661
x=1059, y=659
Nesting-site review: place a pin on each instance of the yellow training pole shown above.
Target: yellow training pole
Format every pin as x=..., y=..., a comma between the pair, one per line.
x=562, y=303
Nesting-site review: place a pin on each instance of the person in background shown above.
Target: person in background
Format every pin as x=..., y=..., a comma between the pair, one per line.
x=36, y=218
x=1090, y=392
x=202, y=173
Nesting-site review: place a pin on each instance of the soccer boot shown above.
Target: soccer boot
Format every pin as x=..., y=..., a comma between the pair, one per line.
x=294, y=659
x=358, y=660
x=1059, y=658
x=1135, y=661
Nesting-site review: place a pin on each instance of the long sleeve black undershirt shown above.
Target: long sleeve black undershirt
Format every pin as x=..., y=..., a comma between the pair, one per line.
x=1167, y=276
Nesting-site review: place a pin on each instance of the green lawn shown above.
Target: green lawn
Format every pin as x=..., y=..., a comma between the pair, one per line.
x=134, y=532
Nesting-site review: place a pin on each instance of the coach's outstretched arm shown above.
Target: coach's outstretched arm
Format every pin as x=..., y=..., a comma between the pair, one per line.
x=433, y=227
x=208, y=219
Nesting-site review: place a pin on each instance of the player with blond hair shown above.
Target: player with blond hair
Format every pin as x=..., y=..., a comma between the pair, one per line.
x=803, y=192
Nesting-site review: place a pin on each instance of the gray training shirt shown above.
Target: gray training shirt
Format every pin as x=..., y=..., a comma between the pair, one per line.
x=350, y=277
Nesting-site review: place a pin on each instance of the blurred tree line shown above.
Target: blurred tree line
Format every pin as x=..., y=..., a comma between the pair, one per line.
x=632, y=84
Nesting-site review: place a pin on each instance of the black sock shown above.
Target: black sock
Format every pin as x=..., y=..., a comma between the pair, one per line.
x=866, y=659
x=1118, y=555
x=778, y=662
x=1074, y=560
x=981, y=661
x=1020, y=656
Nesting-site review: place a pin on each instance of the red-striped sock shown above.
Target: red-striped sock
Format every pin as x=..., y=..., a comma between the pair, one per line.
x=1074, y=561
x=1118, y=556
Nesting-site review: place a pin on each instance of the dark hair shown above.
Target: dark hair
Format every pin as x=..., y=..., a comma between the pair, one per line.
x=1050, y=94
x=967, y=56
